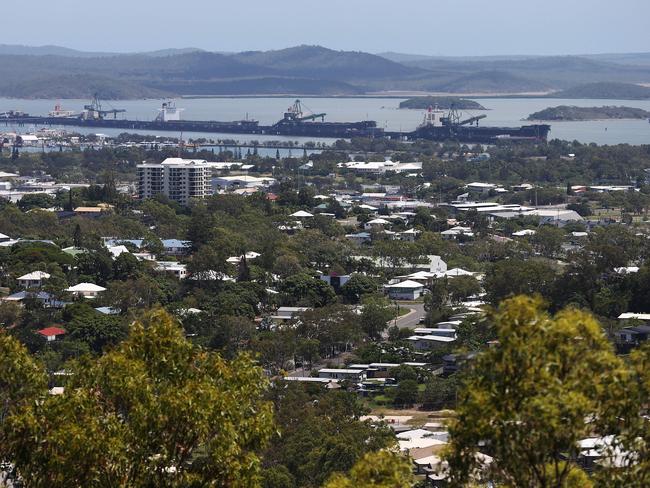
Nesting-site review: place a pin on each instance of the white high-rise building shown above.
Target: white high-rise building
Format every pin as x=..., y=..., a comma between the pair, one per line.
x=179, y=179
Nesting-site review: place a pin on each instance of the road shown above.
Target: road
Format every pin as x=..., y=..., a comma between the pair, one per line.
x=410, y=320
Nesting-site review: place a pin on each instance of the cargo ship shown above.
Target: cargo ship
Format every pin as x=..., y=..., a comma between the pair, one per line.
x=437, y=125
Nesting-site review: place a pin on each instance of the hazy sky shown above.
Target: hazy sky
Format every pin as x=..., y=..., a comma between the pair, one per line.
x=439, y=27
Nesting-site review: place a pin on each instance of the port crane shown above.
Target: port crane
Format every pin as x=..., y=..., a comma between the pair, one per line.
x=454, y=118
x=295, y=113
x=95, y=110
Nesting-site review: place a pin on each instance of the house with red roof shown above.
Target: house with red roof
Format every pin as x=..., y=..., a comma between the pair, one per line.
x=51, y=333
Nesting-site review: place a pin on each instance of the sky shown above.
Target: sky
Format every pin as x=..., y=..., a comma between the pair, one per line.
x=431, y=27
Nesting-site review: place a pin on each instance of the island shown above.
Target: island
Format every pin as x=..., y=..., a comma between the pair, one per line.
x=571, y=113
x=441, y=102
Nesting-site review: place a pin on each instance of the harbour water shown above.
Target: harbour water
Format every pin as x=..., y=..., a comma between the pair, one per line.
x=385, y=111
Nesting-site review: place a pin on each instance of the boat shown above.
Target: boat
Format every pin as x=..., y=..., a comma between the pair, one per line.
x=298, y=120
x=442, y=126
x=169, y=112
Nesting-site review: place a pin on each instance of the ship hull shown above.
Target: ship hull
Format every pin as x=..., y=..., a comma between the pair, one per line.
x=483, y=134
x=340, y=130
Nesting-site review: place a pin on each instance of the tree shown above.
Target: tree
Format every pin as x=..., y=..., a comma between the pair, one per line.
x=206, y=262
x=22, y=382
x=383, y=469
x=320, y=433
x=156, y=411
x=518, y=276
x=526, y=399
x=548, y=240
x=302, y=289
x=375, y=316
x=406, y=393
x=462, y=287
x=36, y=200
x=440, y=393
x=97, y=330
x=125, y=266
x=357, y=286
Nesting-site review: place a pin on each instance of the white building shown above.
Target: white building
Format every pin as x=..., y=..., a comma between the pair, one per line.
x=406, y=290
x=33, y=279
x=179, y=270
x=179, y=179
x=86, y=290
x=342, y=374
x=429, y=342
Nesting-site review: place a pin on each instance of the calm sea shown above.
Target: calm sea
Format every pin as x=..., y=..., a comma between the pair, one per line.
x=501, y=112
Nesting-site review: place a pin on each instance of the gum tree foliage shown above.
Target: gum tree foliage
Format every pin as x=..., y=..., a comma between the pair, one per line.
x=382, y=469
x=319, y=434
x=155, y=411
x=526, y=399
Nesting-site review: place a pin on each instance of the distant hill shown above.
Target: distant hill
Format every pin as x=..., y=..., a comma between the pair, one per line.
x=320, y=62
x=612, y=91
x=492, y=82
x=441, y=102
x=19, y=50
x=58, y=72
x=404, y=57
x=571, y=113
x=637, y=59
x=258, y=86
x=79, y=86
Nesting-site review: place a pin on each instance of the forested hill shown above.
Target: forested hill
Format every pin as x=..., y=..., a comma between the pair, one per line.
x=31, y=72
x=570, y=113
x=612, y=91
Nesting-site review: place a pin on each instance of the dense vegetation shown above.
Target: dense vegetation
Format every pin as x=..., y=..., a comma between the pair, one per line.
x=441, y=102
x=573, y=113
x=184, y=376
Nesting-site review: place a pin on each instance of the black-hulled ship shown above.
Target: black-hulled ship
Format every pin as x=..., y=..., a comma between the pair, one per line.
x=298, y=123
x=439, y=125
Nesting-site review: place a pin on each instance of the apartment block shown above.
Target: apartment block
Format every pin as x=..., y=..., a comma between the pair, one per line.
x=179, y=179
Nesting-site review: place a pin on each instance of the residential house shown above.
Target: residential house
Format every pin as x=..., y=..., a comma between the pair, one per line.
x=51, y=333
x=430, y=342
x=33, y=280
x=354, y=375
x=405, y=290
x=179, y=270
x=86, y=290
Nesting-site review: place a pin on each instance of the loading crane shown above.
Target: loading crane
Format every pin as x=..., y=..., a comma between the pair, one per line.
x=471, y=120
x=95, y=110
x=453, y=118
x=295, y=113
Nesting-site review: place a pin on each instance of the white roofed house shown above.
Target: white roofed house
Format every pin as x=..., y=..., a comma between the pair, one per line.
x=33, y=280
x=479, y=187
x=86, y=290
x=342, y=374
x=376, y=224
x=431, y=341
x=457, y=232
x=301, y=214
x=405, y=290
x=179, y=270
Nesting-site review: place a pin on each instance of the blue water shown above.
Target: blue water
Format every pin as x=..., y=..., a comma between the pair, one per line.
x=501, y=112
